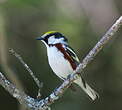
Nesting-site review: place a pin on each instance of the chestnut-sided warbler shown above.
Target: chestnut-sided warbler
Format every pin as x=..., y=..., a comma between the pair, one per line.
x=63, y=60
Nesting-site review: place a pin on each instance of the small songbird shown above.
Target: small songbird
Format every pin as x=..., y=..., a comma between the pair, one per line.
x=63, y=60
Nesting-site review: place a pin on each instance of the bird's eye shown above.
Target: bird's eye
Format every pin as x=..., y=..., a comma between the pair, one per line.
x=56, y=37
x=60, y=36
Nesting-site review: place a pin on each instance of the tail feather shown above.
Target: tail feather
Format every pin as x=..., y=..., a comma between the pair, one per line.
x=88, y=90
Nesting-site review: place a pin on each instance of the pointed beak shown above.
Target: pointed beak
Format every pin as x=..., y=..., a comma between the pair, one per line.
x=39, y=38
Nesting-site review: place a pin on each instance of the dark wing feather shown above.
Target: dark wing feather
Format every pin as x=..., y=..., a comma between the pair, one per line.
x=72, y=54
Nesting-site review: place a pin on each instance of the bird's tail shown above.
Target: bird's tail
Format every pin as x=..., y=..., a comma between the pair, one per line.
x=88, y=90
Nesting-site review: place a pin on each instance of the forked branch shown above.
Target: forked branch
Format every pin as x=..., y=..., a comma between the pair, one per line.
x=38, y=83
x=44, y=104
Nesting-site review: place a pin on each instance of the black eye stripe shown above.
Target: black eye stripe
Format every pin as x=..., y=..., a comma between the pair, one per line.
x=57, y=35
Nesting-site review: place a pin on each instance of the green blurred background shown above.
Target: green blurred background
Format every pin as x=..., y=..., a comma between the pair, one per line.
x=83, y=22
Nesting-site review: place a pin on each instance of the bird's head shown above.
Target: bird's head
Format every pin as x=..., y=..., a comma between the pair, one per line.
x=52, y=38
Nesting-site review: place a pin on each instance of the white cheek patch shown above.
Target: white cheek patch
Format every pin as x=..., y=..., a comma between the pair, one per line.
x=53, y=40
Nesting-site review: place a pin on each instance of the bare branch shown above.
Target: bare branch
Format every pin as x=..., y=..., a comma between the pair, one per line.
x=38, y=83
x=109, y=34
x=43, y=104
x=16, y=93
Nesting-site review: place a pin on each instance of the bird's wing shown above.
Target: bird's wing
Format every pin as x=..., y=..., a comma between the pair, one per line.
x=81, y=82
x=72, y=54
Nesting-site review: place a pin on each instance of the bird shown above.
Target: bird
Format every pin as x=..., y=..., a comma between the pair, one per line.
x=63, y=60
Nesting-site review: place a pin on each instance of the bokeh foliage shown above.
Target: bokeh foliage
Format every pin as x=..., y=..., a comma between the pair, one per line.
x=21, y=21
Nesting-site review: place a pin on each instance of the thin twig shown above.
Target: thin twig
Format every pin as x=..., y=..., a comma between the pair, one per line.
x=44, y=104
x=38, y=83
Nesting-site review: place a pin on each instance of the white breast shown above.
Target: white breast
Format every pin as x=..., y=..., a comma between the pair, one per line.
x=60, y=66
